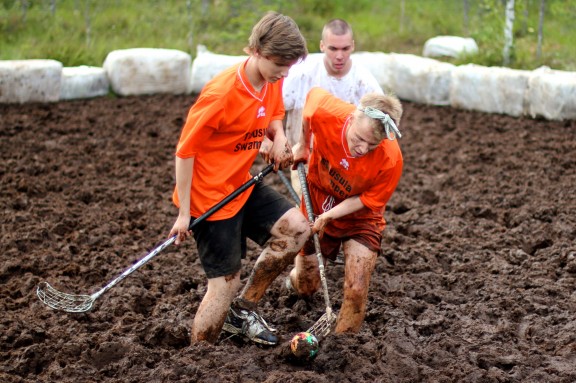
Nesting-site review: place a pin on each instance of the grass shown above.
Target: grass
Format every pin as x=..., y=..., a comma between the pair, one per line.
x=83, y=32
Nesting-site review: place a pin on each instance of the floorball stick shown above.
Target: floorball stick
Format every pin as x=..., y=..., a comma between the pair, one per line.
x=290, y=188
x=81, y=303
x=324, y=325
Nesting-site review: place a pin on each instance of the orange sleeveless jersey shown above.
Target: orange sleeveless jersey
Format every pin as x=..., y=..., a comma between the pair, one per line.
x=331, y=171
x=223, y=132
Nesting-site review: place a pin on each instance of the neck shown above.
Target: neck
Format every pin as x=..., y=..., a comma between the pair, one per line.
x=253, y=74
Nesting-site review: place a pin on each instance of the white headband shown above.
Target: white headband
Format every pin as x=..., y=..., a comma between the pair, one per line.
x=389, y=125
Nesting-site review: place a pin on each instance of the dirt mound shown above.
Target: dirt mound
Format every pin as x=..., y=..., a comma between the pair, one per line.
x=475, y=283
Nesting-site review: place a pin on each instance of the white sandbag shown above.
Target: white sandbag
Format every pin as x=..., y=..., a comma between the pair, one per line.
x=379, y=64
x=207, y=64
x=449, y=46
x=30, y=81
x=141, y=71
x=83, y=82
x=420, y=79
x=489, y=89
x=552, y=94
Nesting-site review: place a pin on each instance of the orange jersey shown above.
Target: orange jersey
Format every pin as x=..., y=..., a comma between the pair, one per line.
x=223, y=132
x=332, y=171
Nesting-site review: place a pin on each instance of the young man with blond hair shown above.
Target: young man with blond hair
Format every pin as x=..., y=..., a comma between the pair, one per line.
x=354, y=167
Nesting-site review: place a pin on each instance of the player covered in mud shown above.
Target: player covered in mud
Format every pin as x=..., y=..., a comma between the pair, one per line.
x=218, y=145
x=354, y=167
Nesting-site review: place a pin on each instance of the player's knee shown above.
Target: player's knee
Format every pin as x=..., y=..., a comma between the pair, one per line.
x=299, y=227
x=356, y=294
x=306, y=287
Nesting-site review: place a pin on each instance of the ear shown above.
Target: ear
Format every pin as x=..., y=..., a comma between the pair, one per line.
x=321, y=46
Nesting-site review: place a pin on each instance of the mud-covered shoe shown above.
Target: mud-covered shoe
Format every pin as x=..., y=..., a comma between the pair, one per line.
x=243, y=321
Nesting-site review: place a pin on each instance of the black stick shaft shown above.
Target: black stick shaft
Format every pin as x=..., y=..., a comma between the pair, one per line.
x=257, y=178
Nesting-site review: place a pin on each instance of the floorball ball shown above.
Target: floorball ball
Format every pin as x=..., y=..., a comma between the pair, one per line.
x=304, y=346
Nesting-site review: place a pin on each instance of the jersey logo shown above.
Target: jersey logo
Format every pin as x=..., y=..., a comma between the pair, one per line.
x=328, y=203
x=344, y=163
x=261, y=112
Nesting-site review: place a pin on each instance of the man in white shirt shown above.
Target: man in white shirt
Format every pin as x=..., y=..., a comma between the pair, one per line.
x=332, y=70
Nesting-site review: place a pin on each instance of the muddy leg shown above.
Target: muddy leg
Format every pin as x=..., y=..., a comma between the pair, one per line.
x=288, y=237
x=305, y=276
x=214, y=307
x=360, y=263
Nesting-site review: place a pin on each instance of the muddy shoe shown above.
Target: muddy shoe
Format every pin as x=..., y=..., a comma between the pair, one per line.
x=242, y=321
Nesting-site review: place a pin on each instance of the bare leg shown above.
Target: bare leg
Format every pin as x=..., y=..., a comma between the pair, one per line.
x=360, y=263
x=212, y=311
x=305, y=276
x=289, y=234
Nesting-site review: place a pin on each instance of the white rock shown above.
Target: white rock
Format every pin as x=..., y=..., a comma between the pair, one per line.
x=140, y=71
x=83, y=82
x=552, y=94
x=420, y=79
x=449, y=46
x=207, y=64
x=379, y=64
x=489, y=89
x=30, y=81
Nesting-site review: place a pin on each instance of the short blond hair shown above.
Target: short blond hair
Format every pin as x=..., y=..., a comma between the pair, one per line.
x=386, y=103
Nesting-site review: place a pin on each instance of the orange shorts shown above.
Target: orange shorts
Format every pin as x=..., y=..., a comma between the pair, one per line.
x=364, y=226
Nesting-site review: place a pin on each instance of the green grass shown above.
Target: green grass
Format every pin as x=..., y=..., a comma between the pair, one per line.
x=83, y=32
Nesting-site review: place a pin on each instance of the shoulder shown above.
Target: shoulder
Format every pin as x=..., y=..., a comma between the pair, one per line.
x=223, y=82
x=320, y=96
x=299, y=80
x=361, y=73
x=313, y=60
x=326, y=104
x=391, y=153
x=306, y=69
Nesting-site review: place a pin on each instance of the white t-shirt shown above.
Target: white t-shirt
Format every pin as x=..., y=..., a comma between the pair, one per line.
x=312, y=72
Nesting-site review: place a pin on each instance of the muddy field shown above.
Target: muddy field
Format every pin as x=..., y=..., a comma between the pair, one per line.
x=476, y=282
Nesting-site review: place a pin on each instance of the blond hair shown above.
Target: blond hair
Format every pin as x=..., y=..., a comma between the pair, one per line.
x=277, y=35
x=389, y=104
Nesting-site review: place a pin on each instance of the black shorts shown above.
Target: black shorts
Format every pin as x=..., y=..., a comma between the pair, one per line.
x=222, y=244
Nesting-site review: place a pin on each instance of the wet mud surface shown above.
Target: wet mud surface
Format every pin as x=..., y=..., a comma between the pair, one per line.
x=476, y=282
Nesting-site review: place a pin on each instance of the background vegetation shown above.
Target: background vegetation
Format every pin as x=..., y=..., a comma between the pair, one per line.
x=83, y=32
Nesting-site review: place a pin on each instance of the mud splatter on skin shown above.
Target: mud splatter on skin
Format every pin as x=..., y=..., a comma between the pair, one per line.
x=231, y=277
x=308, y=281
x=358, y=272
x=264, y=272
x=278, y=246
x=211, y=335
x=277, y=255
x=284, y=226
x=476, y=282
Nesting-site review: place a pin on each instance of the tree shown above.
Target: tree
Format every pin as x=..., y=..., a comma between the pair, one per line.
x=540, y=29
x=508, y=32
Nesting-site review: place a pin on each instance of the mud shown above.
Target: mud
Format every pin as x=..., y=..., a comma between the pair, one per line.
x=476, y=282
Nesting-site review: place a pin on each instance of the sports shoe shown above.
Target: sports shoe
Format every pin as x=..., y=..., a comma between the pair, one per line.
x=243, y=321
